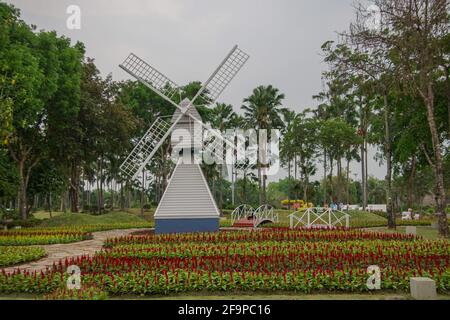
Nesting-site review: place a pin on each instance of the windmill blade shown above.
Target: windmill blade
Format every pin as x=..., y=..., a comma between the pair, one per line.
x=146, y=148
x=215, y=85
x=150, y=77
x=223, y=75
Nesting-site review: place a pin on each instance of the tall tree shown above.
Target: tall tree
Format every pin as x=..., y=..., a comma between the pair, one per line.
x=263, y=110
x=222, y=118
x=413, y=33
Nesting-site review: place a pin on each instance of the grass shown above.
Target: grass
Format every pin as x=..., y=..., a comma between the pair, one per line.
x=426, y=232
x=357, y=219
x=363, y=218
x=80, y=219
x=251, y=296
x=41, y=215
x=280, y=296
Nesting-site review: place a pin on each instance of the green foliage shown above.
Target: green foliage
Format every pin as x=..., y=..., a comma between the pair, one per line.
x=25, y=237
x=306, y=261
x=90, y=293
x=81, y=219
x=10, y=256
x=9, y=179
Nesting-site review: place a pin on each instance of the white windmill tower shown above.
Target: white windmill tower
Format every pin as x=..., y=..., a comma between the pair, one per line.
x=187, y=204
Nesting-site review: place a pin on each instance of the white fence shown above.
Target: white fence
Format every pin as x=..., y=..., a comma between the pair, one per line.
x=377, y=207
x=319, y=217
x=264, y=213
x=241, y=212
x=259, y=215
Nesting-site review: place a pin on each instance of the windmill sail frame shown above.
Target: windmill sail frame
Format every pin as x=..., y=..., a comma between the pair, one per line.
x=187, y=204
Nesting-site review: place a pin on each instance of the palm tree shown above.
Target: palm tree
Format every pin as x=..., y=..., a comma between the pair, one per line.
x=222, y=118
x=287, y=147
x=262, y=110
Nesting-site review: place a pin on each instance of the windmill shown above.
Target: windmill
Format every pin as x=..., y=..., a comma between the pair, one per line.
x=187, y=204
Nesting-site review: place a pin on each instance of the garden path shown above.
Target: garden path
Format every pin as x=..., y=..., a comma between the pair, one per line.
x=55, y=252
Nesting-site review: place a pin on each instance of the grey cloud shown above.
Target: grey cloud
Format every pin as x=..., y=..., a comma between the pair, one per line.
x=186, y=39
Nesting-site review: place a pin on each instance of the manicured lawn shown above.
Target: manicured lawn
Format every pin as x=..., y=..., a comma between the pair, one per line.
x=281, y=296
x=41, y=215
x=358, y=218
x=134, y=212
x=250, y=296
x=425, y=232
x=82, y=219
x=148, y=213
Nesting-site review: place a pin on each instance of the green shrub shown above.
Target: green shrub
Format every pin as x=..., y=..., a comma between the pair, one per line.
x=25, y=237
x=10, y=256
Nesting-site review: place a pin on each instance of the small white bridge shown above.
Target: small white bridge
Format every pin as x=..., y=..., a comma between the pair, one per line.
x=245, y=216
x=319, y=217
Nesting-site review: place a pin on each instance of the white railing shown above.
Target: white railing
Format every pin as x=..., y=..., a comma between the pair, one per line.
x=259, y=215
x=264, y=213
x=318, y=217
x=243, y=211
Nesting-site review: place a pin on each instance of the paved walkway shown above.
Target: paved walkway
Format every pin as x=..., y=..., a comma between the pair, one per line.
x=55, y=252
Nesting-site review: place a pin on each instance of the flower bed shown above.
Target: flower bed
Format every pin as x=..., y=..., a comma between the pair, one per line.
x=269, y=234
x=100, y=227
x=53, y=235
x=23, y=237
x=10, y=256
x=279, y=259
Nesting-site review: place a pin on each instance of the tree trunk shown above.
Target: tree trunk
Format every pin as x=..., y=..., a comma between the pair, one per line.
x=244, y=187
x=348, y=183
x=101, y=203
x=331, y=179
x=295, y=167
x=264, y=186
x=324, y=177
x=221, y=188
x=112, y=190
x=411, y=181
x=289, y=184
x=22, y=196
x=74, y=186
x=165, y=171
x=305, y=188
x=260, y=185
x=388, y=151
x=366, y=152
x=63, y=207
x=49, y=202
x=214, y=191
x=363, y=178
x=440, y=189
x=122, y=198
x=142, y=192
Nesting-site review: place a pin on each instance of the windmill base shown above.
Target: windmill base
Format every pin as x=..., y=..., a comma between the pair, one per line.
x=186, y=225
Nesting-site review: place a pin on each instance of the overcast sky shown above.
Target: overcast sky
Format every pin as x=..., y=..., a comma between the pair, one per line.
x=187, y=39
